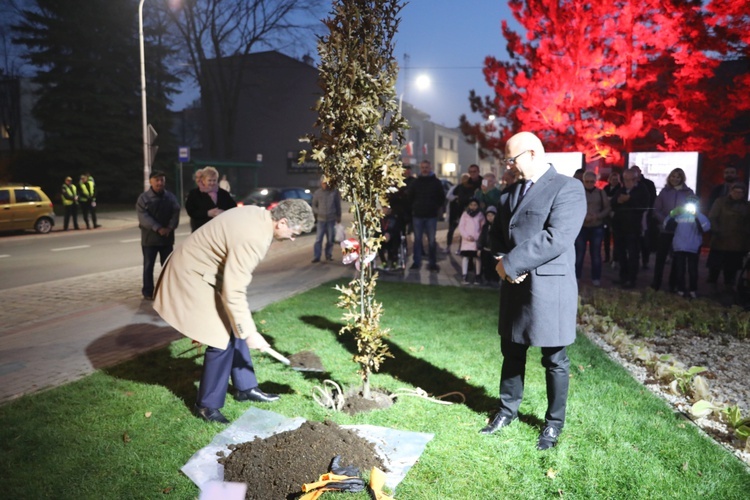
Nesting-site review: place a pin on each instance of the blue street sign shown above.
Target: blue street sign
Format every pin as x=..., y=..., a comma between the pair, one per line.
x=183, y=153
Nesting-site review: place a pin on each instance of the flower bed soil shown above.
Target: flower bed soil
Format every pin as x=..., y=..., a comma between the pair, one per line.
x=278, y=466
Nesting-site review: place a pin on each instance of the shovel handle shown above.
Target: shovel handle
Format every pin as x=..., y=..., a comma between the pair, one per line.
x=278, y=356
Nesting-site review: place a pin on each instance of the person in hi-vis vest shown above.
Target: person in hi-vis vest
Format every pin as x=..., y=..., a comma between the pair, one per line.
x=69, y=197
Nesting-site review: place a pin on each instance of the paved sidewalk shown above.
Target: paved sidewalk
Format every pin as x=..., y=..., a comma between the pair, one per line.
x=56, y=332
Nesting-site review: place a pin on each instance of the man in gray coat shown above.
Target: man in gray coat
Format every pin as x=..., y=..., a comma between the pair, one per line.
x=538, y=219
x=326, y=205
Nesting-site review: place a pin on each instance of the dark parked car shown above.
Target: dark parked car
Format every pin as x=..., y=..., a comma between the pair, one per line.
x=269, y=197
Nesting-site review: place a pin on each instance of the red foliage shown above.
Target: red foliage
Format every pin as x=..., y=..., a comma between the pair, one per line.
x=608, y=77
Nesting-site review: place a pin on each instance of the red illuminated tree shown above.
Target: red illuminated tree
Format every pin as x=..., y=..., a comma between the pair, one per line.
x=609, y=77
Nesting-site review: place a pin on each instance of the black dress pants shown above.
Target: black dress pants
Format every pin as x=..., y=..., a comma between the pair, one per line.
x=557, y=366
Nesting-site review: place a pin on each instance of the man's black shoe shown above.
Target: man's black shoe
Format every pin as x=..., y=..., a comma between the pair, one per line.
x=210, y=415
x=434, y=268
x=256, y=395
x=414, y=267
x=329, y=258
x=548, y=438
x=316, y=259
x=498, y=422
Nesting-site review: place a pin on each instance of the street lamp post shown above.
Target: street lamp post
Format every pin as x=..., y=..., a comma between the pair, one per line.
x=146, y=163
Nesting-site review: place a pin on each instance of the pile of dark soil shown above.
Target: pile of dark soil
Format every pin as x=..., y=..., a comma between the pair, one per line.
x=306, y=361
x=278, y=466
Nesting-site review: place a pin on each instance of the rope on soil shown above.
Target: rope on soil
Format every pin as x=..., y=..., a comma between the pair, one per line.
x=329, y=397
x=420, y=393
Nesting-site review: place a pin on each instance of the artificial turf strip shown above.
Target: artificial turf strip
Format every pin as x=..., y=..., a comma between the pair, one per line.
x=125, y=432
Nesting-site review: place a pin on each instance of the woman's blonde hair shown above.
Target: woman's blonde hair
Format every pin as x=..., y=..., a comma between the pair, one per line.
x=210, y=172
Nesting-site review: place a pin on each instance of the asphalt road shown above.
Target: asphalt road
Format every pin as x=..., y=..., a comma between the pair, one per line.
x=31, y=259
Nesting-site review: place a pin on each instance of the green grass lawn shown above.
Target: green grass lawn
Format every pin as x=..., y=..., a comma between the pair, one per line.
x=93, y=438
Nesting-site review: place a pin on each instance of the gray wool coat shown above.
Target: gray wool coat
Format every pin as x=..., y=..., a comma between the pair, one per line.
x=536, y=236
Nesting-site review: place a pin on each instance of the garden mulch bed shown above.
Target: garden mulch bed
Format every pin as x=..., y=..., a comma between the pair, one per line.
x=278, y=466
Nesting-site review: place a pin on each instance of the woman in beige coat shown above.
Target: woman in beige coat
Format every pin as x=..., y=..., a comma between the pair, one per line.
x=202, y=293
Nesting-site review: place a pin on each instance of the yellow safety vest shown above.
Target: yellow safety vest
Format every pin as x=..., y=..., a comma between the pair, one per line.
x=87, y=191
x=69, y=194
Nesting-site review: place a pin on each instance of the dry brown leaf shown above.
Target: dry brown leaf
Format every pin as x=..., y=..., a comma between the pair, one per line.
x=148, y=414
x=551, y=473
x=125, y=437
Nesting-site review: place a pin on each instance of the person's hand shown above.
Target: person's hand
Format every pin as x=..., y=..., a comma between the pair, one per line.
x=214, y=212
x=500, y=268
x=469, y=238
x=164, y=231
x=623, y=198
x=252, y=343
x=517, y=280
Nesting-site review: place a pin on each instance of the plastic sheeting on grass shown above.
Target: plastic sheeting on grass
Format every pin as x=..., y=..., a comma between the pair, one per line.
x=399, y=450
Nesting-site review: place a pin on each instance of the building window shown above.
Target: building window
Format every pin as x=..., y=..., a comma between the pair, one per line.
x=440, y=141
x=451, y=144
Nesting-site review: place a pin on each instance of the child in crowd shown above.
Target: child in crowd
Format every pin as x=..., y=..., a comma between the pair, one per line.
x=391, y=230
x=488, y=260
x=470, y=228
x=688, y=225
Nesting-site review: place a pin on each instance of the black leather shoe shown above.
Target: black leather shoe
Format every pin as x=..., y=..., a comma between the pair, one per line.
x=548, y=438
x=210, y=415
x=255, y=394
x=498, y=422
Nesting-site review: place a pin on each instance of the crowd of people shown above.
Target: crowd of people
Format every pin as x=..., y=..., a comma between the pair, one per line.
x=630, y=222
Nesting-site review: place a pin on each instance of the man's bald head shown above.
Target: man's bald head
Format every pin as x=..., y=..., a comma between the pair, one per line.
x=524, y=152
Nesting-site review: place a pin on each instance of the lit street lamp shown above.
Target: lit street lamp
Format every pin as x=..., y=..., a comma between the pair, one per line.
x=146, y=163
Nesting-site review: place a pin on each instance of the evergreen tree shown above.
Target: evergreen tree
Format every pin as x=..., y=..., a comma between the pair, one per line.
x=87, y=65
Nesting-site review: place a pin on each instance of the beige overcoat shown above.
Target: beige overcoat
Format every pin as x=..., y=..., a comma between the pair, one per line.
x=202, y=290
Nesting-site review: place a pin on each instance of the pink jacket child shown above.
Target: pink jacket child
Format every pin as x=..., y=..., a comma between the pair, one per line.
x=470, y=227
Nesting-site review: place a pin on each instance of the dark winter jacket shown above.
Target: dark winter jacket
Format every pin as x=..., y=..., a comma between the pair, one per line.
x=198, y=204
x=426, y=196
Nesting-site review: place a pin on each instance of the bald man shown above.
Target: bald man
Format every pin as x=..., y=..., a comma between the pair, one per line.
x=538, y=219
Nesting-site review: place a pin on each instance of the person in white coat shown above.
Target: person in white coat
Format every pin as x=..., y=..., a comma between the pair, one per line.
x=202, y=293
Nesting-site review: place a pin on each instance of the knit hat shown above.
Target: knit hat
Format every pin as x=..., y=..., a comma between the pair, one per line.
x=491, y=209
